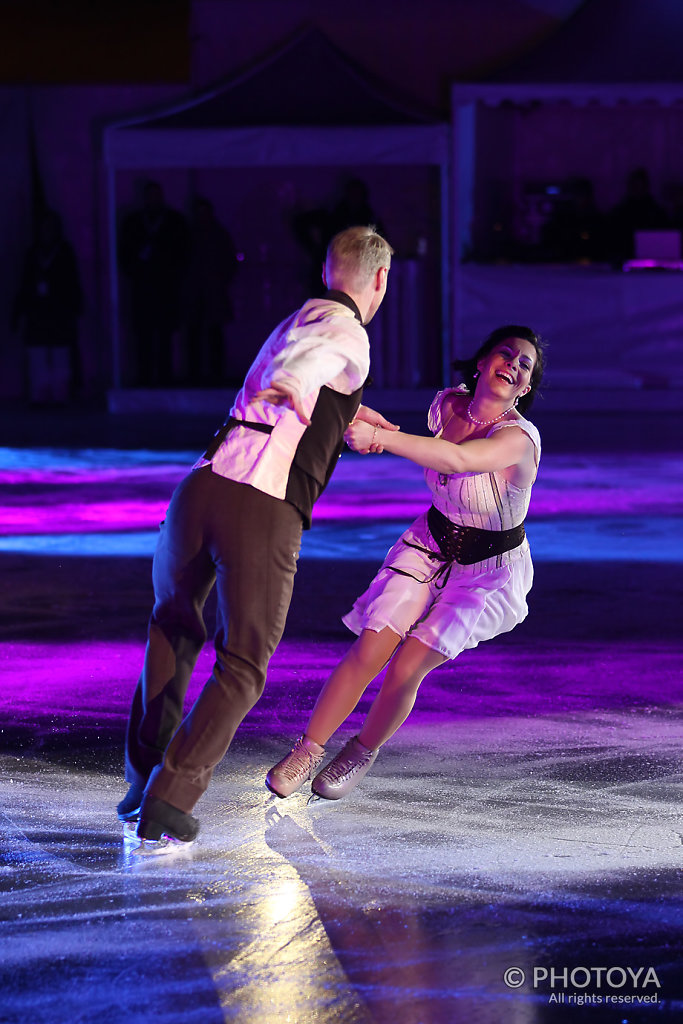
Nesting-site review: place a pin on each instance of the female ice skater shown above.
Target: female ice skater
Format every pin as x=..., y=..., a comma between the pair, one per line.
x=459, y=575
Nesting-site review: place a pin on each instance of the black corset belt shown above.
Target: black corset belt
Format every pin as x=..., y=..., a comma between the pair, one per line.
x=463, y=544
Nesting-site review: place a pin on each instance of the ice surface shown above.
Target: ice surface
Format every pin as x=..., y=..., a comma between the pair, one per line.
x=528, y=814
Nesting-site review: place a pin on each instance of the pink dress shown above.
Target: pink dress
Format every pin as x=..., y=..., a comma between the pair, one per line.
x=477, y=601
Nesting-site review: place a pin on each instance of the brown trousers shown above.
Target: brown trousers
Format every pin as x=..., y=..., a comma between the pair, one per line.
x=247, y=543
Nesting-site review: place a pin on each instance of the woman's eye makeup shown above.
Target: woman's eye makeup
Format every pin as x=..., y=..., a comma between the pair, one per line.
x=524, y=363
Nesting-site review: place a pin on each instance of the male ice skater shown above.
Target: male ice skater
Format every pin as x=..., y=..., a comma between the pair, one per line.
x=236, y=521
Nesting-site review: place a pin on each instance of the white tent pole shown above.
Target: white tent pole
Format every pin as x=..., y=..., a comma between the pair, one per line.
x=113, y=279
x=445, y=185
x=464, y=158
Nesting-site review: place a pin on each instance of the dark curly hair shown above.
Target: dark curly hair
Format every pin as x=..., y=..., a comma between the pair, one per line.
x=467, y=368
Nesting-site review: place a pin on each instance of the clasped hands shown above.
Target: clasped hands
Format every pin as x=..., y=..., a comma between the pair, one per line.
x=361, y=433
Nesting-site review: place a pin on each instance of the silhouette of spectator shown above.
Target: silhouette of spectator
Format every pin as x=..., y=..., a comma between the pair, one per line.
x=153, y=252
x=352, y=210
x=315, y=229
x=637, y=211
x=46, y=311
x=310, y=230
x=676, y=206
x=213, y=263
x=576, y=229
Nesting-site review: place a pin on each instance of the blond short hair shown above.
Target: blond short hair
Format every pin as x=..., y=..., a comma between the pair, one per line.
x=355, y=255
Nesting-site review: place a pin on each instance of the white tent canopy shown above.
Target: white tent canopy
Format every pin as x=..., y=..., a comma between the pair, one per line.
x=308, y=105
x=616, y=64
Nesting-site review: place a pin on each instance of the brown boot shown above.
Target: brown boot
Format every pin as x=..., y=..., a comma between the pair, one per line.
x=297, y=767
x=344, y=771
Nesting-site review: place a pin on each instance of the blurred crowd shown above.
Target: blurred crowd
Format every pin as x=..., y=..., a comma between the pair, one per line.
x=563, y=223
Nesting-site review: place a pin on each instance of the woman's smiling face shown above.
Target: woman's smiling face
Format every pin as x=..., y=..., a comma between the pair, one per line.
x=508, y=367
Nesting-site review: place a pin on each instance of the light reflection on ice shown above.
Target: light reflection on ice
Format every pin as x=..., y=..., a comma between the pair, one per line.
x=634, y=539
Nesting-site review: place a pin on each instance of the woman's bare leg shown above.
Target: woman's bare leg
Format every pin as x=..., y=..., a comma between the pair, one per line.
x=362, y=662
x=395, y=700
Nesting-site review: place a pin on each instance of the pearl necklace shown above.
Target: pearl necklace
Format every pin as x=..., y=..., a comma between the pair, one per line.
x=485, y=423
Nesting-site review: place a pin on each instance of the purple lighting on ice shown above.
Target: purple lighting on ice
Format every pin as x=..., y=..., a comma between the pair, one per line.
x=110, y=503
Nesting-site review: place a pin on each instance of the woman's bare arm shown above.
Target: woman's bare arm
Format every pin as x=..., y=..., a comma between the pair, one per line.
x=483, y=455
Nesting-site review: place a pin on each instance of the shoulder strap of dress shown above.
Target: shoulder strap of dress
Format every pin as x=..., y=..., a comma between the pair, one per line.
x=434, y=418
x=529, y=428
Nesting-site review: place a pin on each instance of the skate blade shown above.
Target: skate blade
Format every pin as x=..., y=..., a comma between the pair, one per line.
x=130, y=832
x=316, y=798
x=160, y=847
